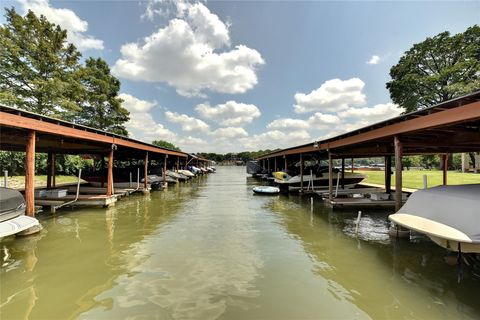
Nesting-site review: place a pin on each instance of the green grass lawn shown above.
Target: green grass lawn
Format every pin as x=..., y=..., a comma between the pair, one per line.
x=414, y=178
x=19, y=181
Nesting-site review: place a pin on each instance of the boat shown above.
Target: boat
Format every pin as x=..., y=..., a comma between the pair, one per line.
x=254, y=168
x=446, y=214
x=187, y=173
x=176, y=175
x=266, y=190
x=12, y=213
x=318, y=180
x=280, y=175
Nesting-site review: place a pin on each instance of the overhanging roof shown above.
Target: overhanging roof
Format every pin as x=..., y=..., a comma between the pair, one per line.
x=451, y=126
x=69, y=138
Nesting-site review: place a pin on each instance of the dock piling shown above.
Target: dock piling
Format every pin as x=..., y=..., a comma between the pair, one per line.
x=30, y=174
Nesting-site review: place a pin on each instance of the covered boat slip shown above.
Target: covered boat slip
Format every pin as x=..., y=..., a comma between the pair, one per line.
x=449, y=215
x=31, y=133
x=449, y=127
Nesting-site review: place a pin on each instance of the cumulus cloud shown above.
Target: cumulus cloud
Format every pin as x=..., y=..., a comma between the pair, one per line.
x=187, y=123
x=370, y=115
x=333, y=95
x=141, y=125
x=275, y=139
x=229, y=133
x=374, y=60
x=67, y=19
x=186, y=55
x=230, y=113
x=288, y=124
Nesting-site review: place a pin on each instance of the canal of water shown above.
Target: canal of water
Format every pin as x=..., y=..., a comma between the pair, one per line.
x=211, y=249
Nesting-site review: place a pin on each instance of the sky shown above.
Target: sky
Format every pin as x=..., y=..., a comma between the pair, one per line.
x=232, y=76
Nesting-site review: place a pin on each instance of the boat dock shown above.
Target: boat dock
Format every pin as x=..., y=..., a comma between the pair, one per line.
x=442, y=129
x=29, y=132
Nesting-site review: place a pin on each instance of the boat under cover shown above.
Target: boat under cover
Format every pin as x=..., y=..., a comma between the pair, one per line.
x=12, y=213
x=319, y=181
x=448, y=215
x=266, y=190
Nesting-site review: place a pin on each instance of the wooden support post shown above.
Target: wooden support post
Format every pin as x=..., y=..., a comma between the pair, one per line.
x=110, y=174
x=285, y=167
x=445, y=168
x=165, y=169
x=398, y=173
x=145, y=169
x=50, y=164
x=301, y=173
x=388, y=174
x=268, y=165
x=178, y=163
x=102, y=170
x=30, y=174
x=352, y=165
x=263, y=164
x=275, y=164
x=330, y=176
x=343, y=173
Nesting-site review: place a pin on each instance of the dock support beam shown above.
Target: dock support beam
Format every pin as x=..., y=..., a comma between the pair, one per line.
x=388, y=174
x=110, y=174
x=268, y=164
x=30, y=174
x=352, y=164
x=343, y=173
x=275, y=164
x=178, y=163
x=398, y=173
x=445, y=168
x=301, y=173
x=165, y=169
x=145, y=175
x=330, y=176
x=102, y=170
x=51, y=170
x=285, y=158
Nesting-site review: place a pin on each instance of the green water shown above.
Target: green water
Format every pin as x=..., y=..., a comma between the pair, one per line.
x=211, y=249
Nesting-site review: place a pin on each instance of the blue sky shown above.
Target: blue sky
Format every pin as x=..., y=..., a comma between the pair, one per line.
x=230, y=76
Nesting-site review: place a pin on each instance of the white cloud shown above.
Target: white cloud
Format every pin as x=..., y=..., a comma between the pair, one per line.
x=333, y=95
x=229, y=133
x=67, y=19
x=230, y=113
x=187, y=123
x=185, y=54
x=322, y=121
x=141, y=125
x=374, y=60
x=288, y=124
x=275, y=139
x=370, y=115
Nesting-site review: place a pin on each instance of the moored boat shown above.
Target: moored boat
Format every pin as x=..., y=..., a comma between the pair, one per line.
x=446, y=214
x=12, y=213
x=266, y=190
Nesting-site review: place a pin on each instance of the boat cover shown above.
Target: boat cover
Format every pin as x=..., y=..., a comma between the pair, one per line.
x=16, y=225
x=10, y=199
x=445, y=212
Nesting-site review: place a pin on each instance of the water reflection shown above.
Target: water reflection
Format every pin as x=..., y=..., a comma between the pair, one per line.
x=386, y=280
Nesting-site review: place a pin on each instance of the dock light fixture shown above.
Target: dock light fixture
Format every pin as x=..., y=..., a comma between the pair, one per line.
x=315, y=144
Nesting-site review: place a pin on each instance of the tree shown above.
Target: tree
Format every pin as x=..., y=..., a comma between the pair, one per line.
x=37, y=66
x=436, y=70
x=165, y=144
x=101, y=106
